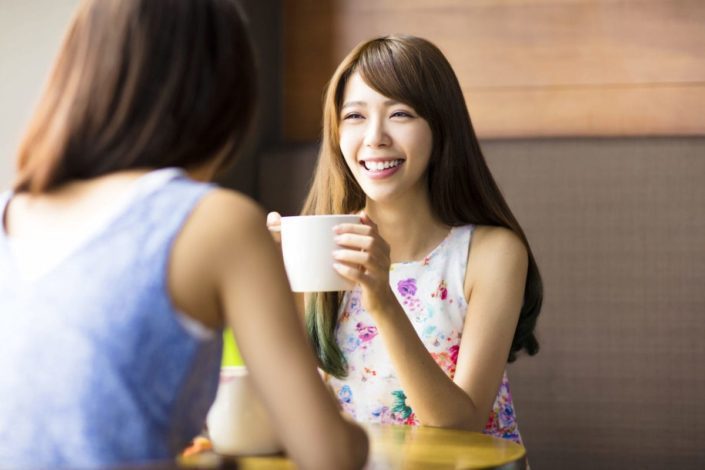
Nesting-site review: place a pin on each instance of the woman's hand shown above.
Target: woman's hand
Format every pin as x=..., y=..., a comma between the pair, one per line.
x=274, y=225
x=364, y=259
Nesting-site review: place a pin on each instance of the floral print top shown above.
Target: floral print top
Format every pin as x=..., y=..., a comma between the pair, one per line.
x=431, y=293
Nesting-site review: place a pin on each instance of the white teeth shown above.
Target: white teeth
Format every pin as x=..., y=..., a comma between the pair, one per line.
x=379, y=166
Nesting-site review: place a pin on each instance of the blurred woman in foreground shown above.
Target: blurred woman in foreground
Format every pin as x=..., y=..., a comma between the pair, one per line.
x=120, y=265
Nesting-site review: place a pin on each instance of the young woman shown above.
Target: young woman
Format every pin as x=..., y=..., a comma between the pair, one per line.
x=447, y=290
x=119, y=268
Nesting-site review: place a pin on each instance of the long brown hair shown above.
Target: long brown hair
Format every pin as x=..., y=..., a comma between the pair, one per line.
x=462, y=190
x=141, y=84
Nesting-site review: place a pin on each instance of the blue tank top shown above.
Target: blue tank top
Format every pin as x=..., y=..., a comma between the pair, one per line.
x=95, y=367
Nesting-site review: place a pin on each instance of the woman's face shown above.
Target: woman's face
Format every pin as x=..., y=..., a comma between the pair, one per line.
x=386, y=144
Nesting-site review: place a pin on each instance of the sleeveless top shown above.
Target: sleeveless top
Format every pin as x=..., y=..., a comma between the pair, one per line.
x=432, y=294
x=96, y=368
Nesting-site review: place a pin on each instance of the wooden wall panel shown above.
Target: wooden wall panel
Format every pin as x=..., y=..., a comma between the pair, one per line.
x=648, y=110
x=527, y=67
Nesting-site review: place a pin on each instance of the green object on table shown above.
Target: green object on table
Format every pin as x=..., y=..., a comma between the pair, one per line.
x=231, y=355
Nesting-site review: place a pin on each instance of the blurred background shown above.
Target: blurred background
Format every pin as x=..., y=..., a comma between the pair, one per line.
x=590, y=114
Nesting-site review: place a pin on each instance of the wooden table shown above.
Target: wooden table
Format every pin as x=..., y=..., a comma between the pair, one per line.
x=406, y=447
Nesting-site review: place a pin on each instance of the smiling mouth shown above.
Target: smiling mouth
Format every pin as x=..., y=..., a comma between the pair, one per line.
x=380, y=165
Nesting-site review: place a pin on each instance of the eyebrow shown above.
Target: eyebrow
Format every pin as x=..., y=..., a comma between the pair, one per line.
x=362, y=103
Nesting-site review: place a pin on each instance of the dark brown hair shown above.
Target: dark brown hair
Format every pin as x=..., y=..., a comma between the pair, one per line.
x=462, y=190
x=141, y=84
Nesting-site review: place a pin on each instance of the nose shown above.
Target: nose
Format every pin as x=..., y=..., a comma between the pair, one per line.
x=376, y=134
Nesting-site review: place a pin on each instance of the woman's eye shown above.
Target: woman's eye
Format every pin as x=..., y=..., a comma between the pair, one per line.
x=352, y=116
x=402, y=114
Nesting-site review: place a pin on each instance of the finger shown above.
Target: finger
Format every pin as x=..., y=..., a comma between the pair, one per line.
x=274, y=221
x=351, y=240
x=274, y=225
x=360, y=229
x=368, y=263
x=372, y=243
x=353, y=273
x=351, y=257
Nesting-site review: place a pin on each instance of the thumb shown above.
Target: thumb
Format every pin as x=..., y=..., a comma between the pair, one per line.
x=365, y=219
x=274, y=219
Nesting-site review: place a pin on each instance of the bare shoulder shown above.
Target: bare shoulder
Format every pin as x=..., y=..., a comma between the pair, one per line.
x=497, y=254
x=229, y=213
x=223, y=225
x=229, y=228
x=223, y=229
x=497, y=242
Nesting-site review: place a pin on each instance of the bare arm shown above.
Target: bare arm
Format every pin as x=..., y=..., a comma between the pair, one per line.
x=250, y=293
x=274, y=222
x=495, y=294
x=497, y=268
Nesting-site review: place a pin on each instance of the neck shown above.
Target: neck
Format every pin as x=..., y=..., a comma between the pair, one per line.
x=203, y=173
x=408, y=225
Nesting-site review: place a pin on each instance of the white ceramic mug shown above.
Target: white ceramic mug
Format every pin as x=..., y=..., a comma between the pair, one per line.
x=308, y=242
x=238, y=423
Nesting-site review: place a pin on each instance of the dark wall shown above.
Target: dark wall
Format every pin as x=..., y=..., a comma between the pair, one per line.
x=264, y=20
x=618, y=230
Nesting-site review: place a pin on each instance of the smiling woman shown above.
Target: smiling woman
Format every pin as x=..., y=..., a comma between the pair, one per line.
x=447, y=289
